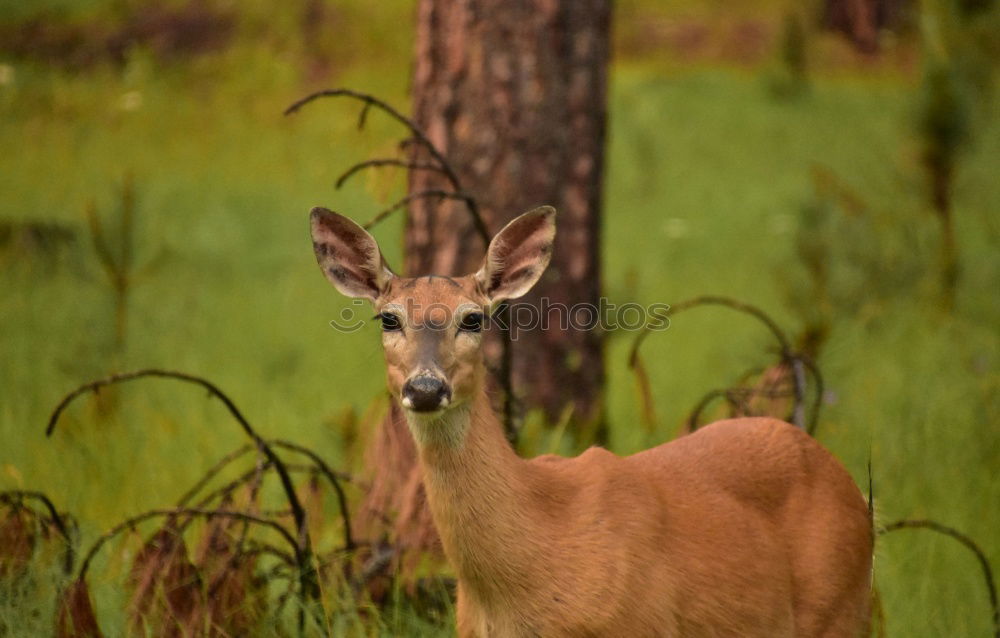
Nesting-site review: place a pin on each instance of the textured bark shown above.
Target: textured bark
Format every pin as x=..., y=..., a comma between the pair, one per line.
x=514, y=94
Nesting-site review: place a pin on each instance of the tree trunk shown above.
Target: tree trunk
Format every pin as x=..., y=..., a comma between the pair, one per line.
x=514, y=95
x=861, y=20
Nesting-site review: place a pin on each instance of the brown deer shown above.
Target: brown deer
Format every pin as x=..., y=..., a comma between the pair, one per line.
x=748, y=527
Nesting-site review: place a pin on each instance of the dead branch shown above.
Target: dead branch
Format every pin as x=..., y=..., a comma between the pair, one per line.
x=14, y=498
x=736, y=397
x=969, y=544
x=333, y=478
x=648, y=406
x=304, y=545
x=380, y=559
x=440, y=194
x=212, y=473
x=377, y=163
x=192, y=511
x=820, y=391
x=796, y=361
x=369, y=101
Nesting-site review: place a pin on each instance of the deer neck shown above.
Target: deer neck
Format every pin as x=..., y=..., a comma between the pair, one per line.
x=479, y=495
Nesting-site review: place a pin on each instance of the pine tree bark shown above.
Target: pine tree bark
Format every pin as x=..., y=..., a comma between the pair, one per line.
x=514, y=94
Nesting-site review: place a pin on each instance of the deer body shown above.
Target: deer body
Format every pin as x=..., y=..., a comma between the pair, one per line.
x=747, y=527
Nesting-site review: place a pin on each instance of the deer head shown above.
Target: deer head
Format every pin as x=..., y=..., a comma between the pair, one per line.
x=432, y=325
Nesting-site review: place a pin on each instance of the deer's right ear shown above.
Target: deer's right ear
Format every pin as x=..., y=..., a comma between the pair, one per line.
x=348, y=255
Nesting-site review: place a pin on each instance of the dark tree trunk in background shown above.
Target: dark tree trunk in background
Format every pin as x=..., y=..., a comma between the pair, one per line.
x=514, y=94
x=861, y=20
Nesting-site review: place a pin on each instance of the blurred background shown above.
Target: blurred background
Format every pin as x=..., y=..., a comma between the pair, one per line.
x=834, y=163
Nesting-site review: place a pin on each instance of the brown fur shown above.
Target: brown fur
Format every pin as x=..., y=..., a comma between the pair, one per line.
x=747, y=527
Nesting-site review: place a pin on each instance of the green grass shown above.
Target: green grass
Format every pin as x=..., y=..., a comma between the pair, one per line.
x=707, y=177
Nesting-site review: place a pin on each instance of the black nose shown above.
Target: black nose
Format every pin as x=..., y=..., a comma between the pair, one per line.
x=425, y=394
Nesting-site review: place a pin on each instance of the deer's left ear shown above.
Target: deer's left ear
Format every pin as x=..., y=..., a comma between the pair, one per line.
x=518, y=255
x=349, y=256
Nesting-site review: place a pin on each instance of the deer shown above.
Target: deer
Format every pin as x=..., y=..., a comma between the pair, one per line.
x=746, y=527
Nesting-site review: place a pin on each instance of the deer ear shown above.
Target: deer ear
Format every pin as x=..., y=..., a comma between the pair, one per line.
x=348, y=255
x=518, y=255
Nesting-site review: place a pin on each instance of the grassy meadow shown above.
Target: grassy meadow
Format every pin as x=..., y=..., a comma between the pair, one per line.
x=716, y=184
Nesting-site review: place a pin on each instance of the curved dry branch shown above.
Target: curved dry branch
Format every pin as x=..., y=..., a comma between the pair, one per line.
x=970, y=544
x=718, y=300
x=304, y=545
x=820, y=390
x=190, y=511
x=212, y=473
x=440, y=194
x=379, y=561
x=794, y=360
x=370, y=101
x=647, y=405
x=345, y=513
x=736, y=398
x=260, y=548
x=417, y=135
x=378, y=163
x=16, y=496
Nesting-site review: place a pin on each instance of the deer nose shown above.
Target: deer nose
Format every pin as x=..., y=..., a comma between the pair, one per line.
x=426, y=393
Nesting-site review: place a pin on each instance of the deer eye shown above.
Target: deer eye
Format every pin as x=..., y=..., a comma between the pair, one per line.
x=390, y=322
x=472, y=322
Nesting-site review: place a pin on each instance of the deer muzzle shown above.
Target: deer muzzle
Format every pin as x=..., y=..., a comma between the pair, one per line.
x=426, y=393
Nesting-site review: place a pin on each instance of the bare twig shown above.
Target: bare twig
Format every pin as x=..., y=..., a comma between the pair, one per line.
x=377, y=163
x=440, y=194
x=304, y=546
x=648, y=408
x=380, y=559
x=737, y=397
x=212, y=473
x=345, y=512
x=369, y=101
x=14, y=497
x=970, y=544
x=135, y=520
x=820, y=391
x=259, y=548
x=797, y=362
